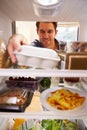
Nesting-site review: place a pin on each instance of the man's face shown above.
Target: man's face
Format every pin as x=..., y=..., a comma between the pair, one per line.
x=46, y=33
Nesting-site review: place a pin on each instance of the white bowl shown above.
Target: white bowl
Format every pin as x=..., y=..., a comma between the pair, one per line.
x=37, y=57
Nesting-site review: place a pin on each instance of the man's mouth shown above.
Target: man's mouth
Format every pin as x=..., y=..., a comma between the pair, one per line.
x=46, y=40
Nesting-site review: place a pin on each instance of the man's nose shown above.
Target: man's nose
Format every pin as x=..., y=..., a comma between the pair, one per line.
x=46, y=35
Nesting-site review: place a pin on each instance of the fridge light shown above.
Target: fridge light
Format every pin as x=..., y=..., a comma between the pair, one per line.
x=47, y=8
x=47, y=2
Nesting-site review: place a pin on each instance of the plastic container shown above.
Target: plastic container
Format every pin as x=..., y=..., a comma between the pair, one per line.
x=15, y=100
x=37, y=57
x=23, y=82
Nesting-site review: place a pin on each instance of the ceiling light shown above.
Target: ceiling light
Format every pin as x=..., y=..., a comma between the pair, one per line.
x=47, y=2
x=47, y=8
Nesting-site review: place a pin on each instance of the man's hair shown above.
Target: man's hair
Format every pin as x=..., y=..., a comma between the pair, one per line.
x=54, y=24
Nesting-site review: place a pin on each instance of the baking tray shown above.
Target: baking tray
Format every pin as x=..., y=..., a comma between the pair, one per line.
x=8, y=107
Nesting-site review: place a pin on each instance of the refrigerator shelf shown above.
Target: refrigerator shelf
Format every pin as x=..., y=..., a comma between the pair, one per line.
x=43, y=72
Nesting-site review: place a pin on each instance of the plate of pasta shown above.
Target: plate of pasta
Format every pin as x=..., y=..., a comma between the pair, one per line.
x=64, y=100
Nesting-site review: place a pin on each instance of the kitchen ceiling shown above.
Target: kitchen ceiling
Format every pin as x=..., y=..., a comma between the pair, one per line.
x=23, y=10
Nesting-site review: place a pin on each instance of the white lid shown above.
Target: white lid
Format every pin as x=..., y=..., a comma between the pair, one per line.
x=38, y=52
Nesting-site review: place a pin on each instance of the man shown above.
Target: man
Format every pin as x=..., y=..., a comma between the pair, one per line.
x=46, y=32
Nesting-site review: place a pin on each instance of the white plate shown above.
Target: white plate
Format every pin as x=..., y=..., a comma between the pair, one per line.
x=80, y=111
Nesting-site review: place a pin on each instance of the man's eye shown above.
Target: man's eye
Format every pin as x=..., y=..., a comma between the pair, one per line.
x=50, y=31
x=42, y=31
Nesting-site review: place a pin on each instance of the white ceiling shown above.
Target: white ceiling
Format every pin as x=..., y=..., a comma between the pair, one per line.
x=22, y=10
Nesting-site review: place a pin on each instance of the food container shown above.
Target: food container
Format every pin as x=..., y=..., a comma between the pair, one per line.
x=37, y=57
x=50, y=124
x=28, y=83
x=15, y=100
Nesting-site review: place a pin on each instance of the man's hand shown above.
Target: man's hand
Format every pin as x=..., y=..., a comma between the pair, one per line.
x=15, y=43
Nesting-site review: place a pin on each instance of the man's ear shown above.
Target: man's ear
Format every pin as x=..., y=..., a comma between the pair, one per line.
x=56, y=31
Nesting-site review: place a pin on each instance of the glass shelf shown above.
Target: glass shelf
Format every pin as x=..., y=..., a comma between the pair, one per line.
x=43, y=72
x=43, y=114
